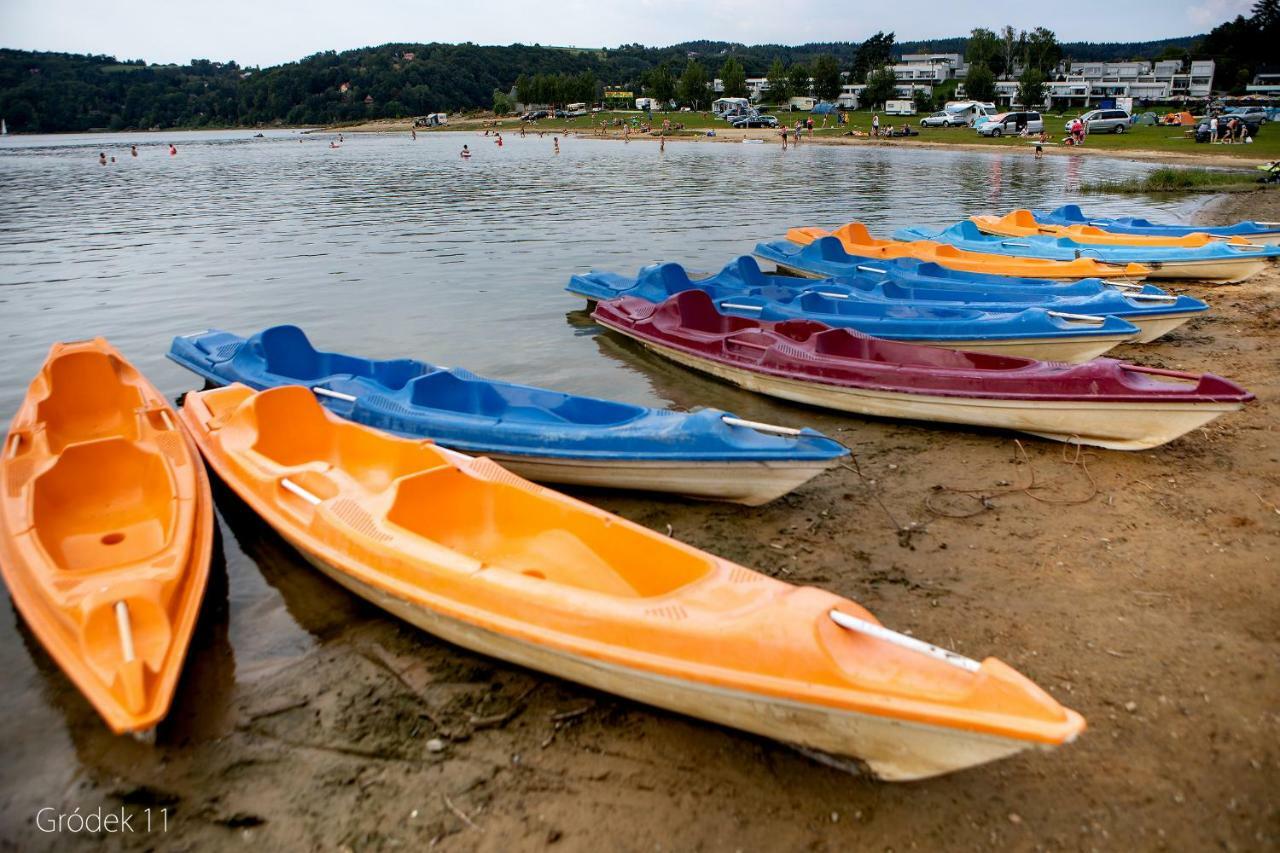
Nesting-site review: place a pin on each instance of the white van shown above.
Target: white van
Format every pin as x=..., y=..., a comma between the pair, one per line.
x=900, y=108
x=973, y=112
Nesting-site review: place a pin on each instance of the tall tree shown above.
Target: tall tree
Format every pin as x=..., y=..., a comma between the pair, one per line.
x=875, y=52
x=693, y=85
x=881, y=86
x=980, y=83
x=779, y=85
x=826, y=77
x=662, y=84
x=1008, y=49
x=798, y=81
x=733, y=78
x=983, y=48
x=1030, y=88
x=1041, y=51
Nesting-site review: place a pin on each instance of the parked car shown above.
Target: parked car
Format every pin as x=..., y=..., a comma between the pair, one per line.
x=1103, y=121
x=756, y=121
x=534, y=115
x=1254, y=115
x=1202, y=130
x=1011, y=124
x=944, y=119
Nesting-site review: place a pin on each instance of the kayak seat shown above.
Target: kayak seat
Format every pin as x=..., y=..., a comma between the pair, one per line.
x=831, y=249
x=697, y=312
x=287, y=352
x=293, y=430
x=799, y=330
x=104, y=504
x=509, y=528
x=583, y=410
x=856, y=234
x=88, y=399
x=446, y=391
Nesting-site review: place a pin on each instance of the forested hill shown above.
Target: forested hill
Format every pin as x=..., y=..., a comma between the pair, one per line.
x=44, y=92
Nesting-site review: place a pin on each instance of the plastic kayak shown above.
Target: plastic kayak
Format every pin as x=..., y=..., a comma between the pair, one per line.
x=826, y=257
x=1031, y=332
x=1022, y=223
x=858, y=241
x=546, y=435
x=1104, y=403
x=1071, y=214
x=1219, y=262
x=106, y=530
x=473, y=554
x=1154, y=315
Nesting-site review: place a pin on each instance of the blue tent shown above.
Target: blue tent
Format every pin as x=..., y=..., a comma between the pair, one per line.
x=823, y=108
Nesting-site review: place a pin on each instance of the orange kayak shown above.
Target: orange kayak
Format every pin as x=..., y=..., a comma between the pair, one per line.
x=858, y=241
x=106, y=530
x=466, y=550
x=1023, y=223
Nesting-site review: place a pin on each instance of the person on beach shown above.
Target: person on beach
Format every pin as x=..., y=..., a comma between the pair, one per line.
x=875, y=124
x=133, y=150
x=102, y=158
x=1213, y=129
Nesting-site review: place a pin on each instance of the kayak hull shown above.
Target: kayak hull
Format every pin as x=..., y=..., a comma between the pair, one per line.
x=106, y=534
x=891, y=750
x=751, y=483
x=1114, y=426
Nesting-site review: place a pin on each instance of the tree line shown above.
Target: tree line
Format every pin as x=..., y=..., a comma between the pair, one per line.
x=50, y=92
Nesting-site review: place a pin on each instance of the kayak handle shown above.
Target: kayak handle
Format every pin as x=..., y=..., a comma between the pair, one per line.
x=290, y=486
x=126, y=631
x=1081, y=318
x=14, y=444
x=1123, y=285
x=1152, y=297
x=759, y=427
x=831, y=295
x=337, y=395
x=1160, y=371
x=741, y=307
x=861, y=268
x=1015, y=243
x=862, y=626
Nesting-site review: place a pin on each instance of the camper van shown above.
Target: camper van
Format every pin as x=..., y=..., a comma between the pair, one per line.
x=900, y=108
x=721, y=107
x=973, y=112
x=800, y=103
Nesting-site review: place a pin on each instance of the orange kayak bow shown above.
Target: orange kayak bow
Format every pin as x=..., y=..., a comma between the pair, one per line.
x=858, y=241
x=1023, y=223
x=466, y=550
x=106, y=530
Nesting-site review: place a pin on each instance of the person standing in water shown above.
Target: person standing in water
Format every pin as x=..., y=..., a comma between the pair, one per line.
x=499, y=140
x=662, y=143
x=172, y=149
x=133, y=150
x=102, y=158
x=466, y=153
x=784, y=137
x=414, y=133
x=556, y=140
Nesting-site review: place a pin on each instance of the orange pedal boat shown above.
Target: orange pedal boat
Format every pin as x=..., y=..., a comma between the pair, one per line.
x=466, y=550
x=1023, y=223
x=106, y=530
x=858, y=241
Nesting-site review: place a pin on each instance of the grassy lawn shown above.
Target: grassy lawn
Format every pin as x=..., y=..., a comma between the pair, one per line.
x=1168, y=179
x=1265, y=147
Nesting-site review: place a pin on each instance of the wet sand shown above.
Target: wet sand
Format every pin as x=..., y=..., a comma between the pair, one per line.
x=1139, y=589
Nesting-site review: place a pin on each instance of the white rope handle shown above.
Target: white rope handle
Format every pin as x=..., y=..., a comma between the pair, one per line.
x=1082, y=318
x=741, y=307
x=759, y=427
x=861, y=268
x=337, y=395
x=862, y=626
x=1123, y=285
x=291, y=486
x=1151, y=297
x=126, y=631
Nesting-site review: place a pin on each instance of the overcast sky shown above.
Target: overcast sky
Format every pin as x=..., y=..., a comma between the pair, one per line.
x=267, y=32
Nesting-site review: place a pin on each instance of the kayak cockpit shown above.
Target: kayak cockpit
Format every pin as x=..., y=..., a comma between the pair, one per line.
x=88, y=398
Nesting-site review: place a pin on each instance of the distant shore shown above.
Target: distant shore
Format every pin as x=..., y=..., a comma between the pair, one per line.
x=1023, y=147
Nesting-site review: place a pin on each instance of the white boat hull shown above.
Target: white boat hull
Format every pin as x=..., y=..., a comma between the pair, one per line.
x=1154, y=326
x=1217, y=271
x=752, y=483
x=888, y=748
x=1118, y=275
x=1116, y=426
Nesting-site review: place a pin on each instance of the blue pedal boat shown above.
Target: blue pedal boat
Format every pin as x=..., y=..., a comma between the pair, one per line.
x=1071, y=214
x=826, y=257
x=1218, y=262
x=1153, y=314
x=538, y=433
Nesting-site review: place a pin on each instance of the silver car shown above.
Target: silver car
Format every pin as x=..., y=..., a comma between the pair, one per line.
x=1011, y=124
x=1104, y=121
x=944, y=119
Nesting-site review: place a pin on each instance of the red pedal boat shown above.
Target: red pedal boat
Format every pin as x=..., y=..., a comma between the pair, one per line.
x=1105, y=402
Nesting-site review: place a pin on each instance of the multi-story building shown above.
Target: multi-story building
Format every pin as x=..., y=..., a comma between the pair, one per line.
x=1265, y=82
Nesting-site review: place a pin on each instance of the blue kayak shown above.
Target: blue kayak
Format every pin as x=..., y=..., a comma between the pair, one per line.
x=1071, y=214
x=1218, y=261
x=1154, y=315
x=543, y=434
x=826, y=257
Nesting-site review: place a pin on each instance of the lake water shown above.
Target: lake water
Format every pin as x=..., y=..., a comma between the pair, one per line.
x=390, y=247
